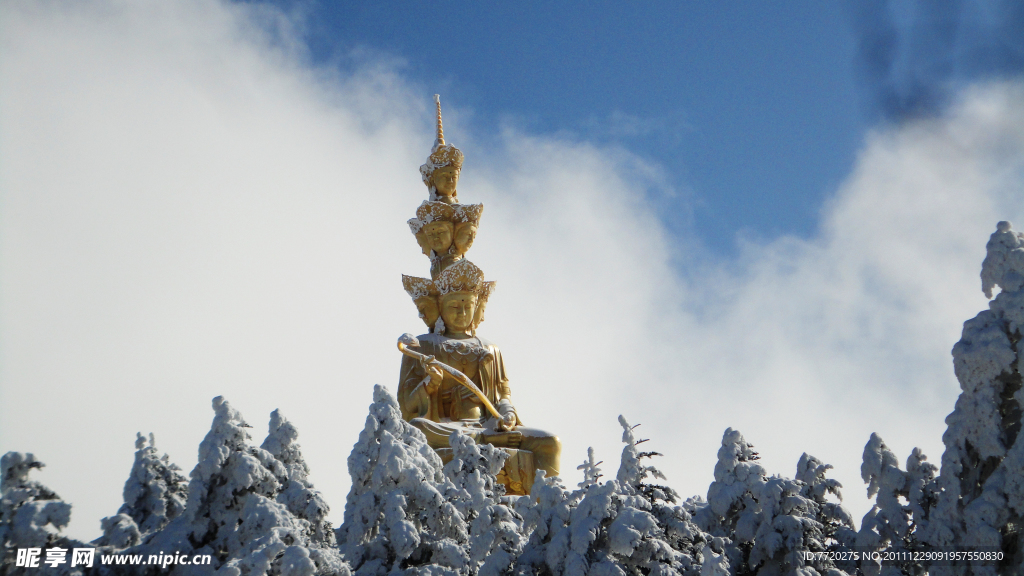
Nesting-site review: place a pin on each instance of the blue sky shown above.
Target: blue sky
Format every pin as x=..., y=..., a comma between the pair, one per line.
x=750, y=108
x=754, y=111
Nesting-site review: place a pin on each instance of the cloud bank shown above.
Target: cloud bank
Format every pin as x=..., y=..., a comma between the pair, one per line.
x=189, y=210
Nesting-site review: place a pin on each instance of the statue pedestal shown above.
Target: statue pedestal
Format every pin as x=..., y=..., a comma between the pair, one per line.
x=517, y=474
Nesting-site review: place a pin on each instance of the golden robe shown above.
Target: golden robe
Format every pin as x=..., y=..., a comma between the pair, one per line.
x=453, y=407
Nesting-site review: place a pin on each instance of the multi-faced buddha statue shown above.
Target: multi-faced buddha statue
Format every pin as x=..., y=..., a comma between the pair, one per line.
x=426, y=297
x=434, y=227
x=445, y=232
x=451, y=379
x=444, y=229
x=433, y=399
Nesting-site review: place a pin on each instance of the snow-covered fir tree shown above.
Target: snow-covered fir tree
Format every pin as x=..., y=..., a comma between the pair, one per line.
x=673, y=544
x=31, y=516
x=239, y=508
x=154, y=494
x=836, y=522
x=496, y=536
x=891, y=525
x=766, y=525
x=980, y=503
x=396, y=517
x=407, y=513
x=546, y=514
x=297, y=493
x=619, y=527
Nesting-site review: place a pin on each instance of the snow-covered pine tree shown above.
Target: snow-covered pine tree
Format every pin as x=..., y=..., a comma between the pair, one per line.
x=591, y=470
x=546, y=513
x=836, y=521
x=890, y=525
x=674, y=525
x=154, y=494
x=838, y=534
x=298, y=494
x=981, y=500
x=729, y=512
x=119, y=532
x=396, y=519
x=31, y=516
x=620, y=527
x=496, y=536
x=732, y=498
x=766, y=525
x=233, y=513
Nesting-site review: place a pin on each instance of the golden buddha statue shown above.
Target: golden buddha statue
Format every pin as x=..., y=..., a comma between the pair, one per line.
x=452, y=380
x=434, y=396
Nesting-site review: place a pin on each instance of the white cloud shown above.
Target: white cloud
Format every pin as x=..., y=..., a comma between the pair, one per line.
x=187, y=210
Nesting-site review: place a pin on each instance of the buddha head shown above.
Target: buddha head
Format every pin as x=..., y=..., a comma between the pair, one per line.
x=416, y=227
x=485, y=293
x=439, y=235
x=443, y=181
x=467, y=222
x=465, y=234
x=461, y=286
x=434, y=227
x=424, y=294
x=458, y=310
x=428, y=309
x=441, y=171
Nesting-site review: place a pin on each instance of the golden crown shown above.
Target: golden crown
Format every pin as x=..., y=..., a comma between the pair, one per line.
x=467, y=212
x=419, y=287
x=487, y=290
x=463, y=276
x=435, y=211
x=441, y=154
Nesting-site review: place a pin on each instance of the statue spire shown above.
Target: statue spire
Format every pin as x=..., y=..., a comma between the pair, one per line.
x=439, y=141
x=440, y=173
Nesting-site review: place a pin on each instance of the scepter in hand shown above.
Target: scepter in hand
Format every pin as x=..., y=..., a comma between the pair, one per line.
x=505, y=422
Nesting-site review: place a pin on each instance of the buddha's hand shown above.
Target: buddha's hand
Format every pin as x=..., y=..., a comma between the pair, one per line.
x=434, y=372
x=508, y=422
x=508, y=415
x=503, y=439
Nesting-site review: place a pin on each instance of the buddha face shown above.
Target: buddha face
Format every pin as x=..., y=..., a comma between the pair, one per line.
x=439, y=235
x=479, y=316
x=421, y=239
x=465, y=234
x=427, y=306
x=458, y=310
x=445, y=179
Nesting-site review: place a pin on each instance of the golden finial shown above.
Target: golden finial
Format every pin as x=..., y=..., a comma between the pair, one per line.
x=440, y=130
x=441, y=155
